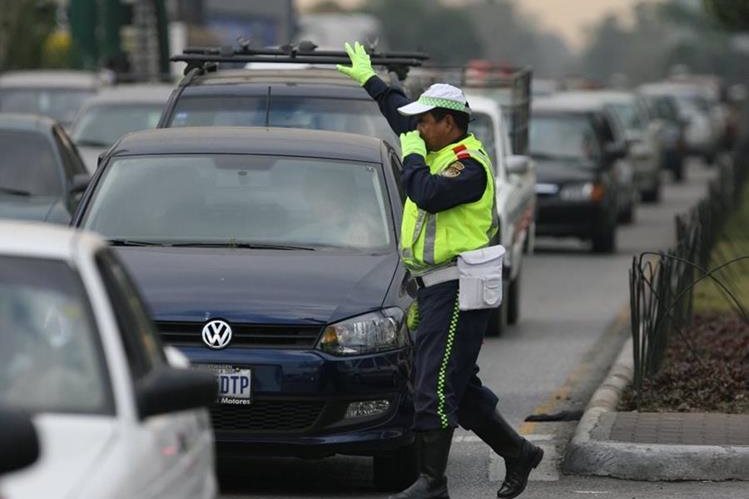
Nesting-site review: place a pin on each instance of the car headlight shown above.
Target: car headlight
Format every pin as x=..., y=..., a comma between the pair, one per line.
x=589, y=191
x=368, y=333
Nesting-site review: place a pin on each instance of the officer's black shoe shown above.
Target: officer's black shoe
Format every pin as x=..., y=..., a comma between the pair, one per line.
x=433, y=448
x=518, y=469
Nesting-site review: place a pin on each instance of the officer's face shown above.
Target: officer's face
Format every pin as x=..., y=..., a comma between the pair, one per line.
x=437, y=133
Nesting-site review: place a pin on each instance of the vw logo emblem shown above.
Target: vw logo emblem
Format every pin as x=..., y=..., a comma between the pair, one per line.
x=217, y=334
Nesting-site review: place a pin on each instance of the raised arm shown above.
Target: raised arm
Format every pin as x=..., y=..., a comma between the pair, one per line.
x=388, y=98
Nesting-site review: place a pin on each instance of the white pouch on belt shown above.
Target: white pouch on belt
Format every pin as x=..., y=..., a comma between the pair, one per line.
x=480, y=278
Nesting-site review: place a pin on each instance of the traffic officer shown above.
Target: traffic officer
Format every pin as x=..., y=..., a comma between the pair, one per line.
x=450, y=209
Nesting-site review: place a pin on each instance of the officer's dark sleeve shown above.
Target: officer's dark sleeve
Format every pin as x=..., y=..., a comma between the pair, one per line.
x=435, y=193
x=390, y=99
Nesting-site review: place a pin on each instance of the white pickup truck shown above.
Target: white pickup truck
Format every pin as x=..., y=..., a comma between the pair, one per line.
x=515, y=178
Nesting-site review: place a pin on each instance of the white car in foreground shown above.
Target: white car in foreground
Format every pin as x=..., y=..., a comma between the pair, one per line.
x=117, y=416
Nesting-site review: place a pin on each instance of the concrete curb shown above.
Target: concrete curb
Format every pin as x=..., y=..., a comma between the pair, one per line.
x=590, y=453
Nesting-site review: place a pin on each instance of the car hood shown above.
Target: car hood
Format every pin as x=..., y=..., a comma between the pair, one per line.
x=259, y=286
x=41, y=208
x=71, y=446
x=562, y=172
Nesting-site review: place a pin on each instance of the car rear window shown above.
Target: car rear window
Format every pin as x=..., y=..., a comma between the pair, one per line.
x=562, y=136
x=101, y=125
x=58, y=103
x=51, y=358
x=358, y=116
x=28, y=165
x=230, y=200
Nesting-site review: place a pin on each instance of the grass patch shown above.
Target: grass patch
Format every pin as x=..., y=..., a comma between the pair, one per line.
x=709, y=298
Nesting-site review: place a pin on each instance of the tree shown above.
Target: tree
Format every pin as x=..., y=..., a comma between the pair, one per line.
x=24, y=27
x=732, y=14
x=445, y=33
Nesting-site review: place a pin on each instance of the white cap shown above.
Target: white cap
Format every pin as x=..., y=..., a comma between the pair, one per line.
x=438, y=95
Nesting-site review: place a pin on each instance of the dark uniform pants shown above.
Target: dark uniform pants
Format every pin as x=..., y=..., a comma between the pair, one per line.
x=447, y=388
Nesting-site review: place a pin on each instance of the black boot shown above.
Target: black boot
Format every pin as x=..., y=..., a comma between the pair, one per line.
x=433, y=448
x=520, y=455
x=518, y=469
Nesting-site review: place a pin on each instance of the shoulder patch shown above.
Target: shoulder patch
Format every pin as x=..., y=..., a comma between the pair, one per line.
x=453, y=170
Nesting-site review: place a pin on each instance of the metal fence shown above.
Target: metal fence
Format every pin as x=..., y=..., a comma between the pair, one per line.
x=662, y=283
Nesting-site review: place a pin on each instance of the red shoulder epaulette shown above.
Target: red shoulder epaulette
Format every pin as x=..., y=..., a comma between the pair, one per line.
x=461, y=151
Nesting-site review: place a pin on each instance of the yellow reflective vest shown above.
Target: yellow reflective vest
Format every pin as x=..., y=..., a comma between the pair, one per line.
x=430, y=240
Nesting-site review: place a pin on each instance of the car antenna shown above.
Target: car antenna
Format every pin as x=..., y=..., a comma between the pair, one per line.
x=267, y=109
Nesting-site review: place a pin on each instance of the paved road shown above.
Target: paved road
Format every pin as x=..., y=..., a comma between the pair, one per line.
x=550, y=362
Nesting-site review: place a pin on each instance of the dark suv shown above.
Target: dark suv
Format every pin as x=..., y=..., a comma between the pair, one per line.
x=576, y=189
x=313, y=98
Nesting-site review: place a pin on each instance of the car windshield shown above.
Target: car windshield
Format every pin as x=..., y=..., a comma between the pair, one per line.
x=340, y=115
x=101, y=125
x=51, y=359
x=627, y=114
x=27, y=165
x=562, y=137
x=482, y=127
x=243, y=200
x=58, y=103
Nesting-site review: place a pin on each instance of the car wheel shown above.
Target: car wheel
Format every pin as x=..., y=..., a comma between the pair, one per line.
x=513, y=300
x=627, y=216
x=652, y=195
x=604, y=240
x=679, y=173
x=498, y=318
x=396, y=470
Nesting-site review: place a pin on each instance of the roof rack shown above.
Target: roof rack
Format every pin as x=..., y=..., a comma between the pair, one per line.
x=305, y=52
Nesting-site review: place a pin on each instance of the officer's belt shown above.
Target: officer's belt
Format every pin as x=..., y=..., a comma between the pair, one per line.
x=438, y=276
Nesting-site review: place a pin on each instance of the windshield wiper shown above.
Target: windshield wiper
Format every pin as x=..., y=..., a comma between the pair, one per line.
x=14, y=192
x=239, y=244
x=131, y=242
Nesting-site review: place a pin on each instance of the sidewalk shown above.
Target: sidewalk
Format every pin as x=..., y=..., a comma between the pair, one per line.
x=655, y=446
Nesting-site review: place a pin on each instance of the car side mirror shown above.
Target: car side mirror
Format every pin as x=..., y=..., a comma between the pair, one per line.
x=517, y=165
x=615, y=150
x=19, y=443
x=170, y=389
x=79, y=183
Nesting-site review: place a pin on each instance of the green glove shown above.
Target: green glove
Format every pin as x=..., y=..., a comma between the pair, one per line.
x=412, y=316
x=361, y=67
x=412, y=143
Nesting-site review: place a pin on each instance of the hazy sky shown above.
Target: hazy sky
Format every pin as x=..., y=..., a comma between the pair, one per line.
x=565, y=17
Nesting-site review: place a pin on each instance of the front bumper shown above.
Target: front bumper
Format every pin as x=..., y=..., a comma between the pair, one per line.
x=561, y=218
x=300, y=398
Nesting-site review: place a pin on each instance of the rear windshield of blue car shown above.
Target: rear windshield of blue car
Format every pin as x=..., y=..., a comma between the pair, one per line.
x=235, y=200
x=358, y=116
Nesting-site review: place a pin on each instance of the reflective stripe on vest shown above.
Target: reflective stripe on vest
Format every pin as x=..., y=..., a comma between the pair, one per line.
x=434, y=239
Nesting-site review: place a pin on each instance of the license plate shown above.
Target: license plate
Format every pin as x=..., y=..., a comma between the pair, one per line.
x=234, y=384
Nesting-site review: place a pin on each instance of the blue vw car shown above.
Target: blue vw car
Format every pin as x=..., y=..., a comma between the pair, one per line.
x=269, y=256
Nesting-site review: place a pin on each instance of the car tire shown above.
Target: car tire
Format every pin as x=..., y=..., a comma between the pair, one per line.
x=627, y=216
x=604, y=240
x=652, y=195
x=498, y=318
x=513, y=300
x=396, y=470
